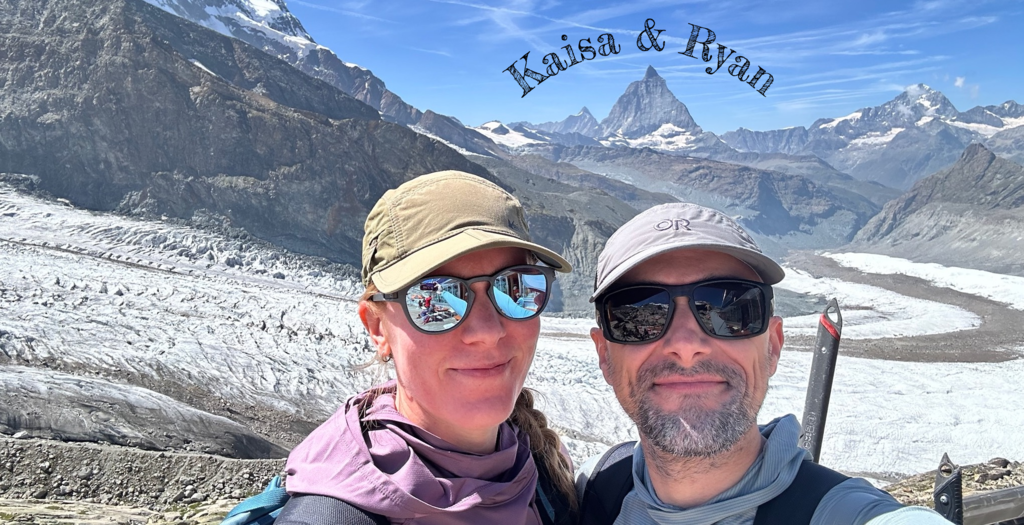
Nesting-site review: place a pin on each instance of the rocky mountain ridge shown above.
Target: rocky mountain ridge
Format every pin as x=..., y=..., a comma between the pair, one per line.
x=782, y=208
x=268, y=25
x=970, y=214
x=583, y=123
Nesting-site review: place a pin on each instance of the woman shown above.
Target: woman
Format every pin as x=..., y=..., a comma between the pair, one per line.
x=455, y=438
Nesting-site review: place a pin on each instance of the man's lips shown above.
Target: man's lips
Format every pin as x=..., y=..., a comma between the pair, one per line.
x=688, y=384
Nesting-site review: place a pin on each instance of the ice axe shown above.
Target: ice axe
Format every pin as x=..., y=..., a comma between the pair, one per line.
x=819, y=387
x=948, y=494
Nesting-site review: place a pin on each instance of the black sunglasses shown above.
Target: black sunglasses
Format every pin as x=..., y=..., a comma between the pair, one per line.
x=440, y=303
x=724, y=308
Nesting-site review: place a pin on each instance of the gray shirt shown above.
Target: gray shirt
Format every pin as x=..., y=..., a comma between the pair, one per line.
x=853, y=502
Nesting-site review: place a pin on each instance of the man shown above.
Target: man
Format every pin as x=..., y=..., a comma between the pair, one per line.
x=687, y=339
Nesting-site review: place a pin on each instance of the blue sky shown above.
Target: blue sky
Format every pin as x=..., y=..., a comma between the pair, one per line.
x=827, y=58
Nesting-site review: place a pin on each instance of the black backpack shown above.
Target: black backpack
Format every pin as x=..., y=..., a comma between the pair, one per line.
x=312, y=509
x=601, y=493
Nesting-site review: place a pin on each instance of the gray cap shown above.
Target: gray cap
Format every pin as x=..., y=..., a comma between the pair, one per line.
x=677, y=226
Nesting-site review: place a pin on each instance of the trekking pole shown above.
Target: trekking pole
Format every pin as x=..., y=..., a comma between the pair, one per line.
x=819, y=388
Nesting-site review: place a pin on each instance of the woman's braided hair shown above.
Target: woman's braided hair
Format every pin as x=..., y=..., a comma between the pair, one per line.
x=545, y=444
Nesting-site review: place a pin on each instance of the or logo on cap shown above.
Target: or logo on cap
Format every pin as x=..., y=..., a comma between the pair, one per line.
x=672, y=224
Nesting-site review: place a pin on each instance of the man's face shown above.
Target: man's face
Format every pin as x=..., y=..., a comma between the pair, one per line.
x=691, y=395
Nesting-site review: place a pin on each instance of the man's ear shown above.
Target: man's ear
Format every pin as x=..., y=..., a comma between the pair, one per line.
x=374, y=326
x=601, y=345
x=775, y=340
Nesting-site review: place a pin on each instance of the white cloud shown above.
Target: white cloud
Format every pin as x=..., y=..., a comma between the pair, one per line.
x=959, y=82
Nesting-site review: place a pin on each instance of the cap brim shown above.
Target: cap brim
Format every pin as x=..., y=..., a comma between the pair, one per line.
x=425, y=260
x=769, y=271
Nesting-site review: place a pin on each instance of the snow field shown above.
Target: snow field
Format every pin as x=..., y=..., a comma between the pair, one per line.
x=1006, y=289
x=124, y=300
x=870, y=312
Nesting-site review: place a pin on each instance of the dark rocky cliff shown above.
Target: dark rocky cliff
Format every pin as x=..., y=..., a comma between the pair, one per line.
x=239, y=19
x=117, y=103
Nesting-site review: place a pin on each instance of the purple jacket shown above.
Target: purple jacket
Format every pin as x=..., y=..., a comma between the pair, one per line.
x=403, y=472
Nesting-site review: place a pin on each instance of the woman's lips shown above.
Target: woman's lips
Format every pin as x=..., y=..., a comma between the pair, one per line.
x=482, y=371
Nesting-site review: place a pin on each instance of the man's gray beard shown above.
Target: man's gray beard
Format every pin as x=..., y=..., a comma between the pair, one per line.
x=693, y=431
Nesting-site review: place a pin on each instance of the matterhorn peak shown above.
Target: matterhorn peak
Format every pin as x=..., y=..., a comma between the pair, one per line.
x=646, y=106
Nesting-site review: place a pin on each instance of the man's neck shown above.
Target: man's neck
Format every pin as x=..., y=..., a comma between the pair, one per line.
x=687, y=482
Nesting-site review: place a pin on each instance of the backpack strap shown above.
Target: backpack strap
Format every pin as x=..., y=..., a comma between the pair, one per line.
x=314, y=509
x=796, y=504
x=552, y=505
x=260, y=509
x=601, y=493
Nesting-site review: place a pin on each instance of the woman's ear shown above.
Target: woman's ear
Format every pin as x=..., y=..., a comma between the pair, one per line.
x=374, y=326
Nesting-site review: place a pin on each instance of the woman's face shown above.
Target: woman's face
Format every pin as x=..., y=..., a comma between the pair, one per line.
x=467, y=379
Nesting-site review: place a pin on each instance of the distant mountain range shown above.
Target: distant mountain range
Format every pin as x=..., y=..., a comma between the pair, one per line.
x=913, y=135
x=917, y=133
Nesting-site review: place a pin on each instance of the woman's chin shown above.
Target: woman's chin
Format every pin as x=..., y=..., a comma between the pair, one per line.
x=483, y=413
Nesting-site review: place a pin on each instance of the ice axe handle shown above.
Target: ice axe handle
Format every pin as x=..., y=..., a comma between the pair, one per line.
x=819, y=388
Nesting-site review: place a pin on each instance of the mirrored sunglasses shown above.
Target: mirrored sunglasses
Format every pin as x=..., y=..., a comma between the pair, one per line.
x=440, y=303
x=724, y=308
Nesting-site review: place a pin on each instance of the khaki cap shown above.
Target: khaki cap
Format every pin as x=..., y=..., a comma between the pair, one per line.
x=678, y=226
x=435, y=218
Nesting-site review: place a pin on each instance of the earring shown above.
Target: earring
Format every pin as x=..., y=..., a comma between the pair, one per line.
x=386, y=357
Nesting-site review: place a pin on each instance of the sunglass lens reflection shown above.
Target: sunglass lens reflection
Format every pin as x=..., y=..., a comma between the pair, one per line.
x=637, y=314
x=520, y=293
x=730, y=309
x=436, y=305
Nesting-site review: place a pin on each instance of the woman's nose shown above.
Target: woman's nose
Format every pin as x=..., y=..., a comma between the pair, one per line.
x=484, y=325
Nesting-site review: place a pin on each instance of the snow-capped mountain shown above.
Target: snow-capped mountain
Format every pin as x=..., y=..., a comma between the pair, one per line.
x=647, y=106
x=187, y=120
x=256, y=18
x=897, y=143
x=518, y=135
x=646, y=115
x=269, y=26
x=583, y=123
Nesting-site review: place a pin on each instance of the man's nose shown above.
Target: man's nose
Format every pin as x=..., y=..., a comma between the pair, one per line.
x=685, y=341
x=484, y=325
